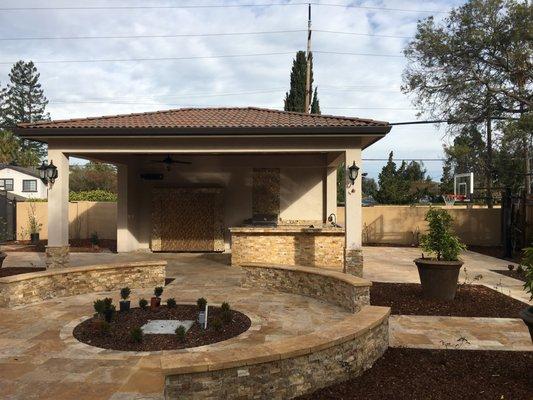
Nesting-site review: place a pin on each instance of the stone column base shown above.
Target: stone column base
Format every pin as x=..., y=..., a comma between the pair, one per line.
x=353, y=262
x=57, y=257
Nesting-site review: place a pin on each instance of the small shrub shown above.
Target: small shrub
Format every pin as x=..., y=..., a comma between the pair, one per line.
x=101, y=306
x=520, y=269
x=125, y=293
x=180, y=333
x=527, y=262
x=201, y=303
x=225, y=307
x=171, y=303
x=94, y=239
x=158, y=291
x=136, y=335
x=217, y=324
x=440, y=240
x=510, y=267
x=226, y=316
x=103, y=327
x=143, y=303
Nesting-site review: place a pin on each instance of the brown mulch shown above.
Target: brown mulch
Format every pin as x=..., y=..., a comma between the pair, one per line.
x=18, y=270
x=520, y=275
x=415, y=374
x=470, y=301
x=119, y=337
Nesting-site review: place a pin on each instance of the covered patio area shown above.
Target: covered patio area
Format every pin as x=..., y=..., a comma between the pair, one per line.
x=257, y=183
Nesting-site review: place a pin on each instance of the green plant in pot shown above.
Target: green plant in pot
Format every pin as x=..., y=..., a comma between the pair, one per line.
x=124, y=295
x=439, y=273
x=527, y=264
x=34, y=226
x=156, y=300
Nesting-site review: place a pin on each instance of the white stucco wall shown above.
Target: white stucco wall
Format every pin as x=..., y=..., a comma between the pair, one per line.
x=18, y=177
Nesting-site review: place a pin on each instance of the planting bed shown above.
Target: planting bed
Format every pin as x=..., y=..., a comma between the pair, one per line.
x=470, y=301
x=18, y=270
x=520, y=275
x=119, y=338
x=439, y=374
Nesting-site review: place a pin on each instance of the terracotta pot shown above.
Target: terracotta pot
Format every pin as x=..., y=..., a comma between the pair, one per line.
x=155, y=302
x=124, y=305
x=2, y=258
x=34, y=238
x=438, y=278
x=527, y=316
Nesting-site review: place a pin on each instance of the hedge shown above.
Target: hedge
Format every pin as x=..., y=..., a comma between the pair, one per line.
x=93, y=195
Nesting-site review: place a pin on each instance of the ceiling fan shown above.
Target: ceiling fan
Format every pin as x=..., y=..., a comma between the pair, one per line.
x=168, y=161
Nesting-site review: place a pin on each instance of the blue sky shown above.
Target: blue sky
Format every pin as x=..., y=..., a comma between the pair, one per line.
x=352, y=85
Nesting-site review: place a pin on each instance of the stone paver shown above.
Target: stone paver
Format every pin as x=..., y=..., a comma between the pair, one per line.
x=429, y=332
x=40, y=359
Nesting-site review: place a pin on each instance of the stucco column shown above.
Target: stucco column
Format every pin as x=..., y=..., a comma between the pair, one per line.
x=353, y=252
x=126, y=240
x=331, y=191
x=57, y=251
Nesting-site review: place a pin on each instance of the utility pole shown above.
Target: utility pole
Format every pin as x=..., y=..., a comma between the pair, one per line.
x=308, y=71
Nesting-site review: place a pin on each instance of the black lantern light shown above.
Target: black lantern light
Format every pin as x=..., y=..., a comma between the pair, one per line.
x=48, y=172
x=353, y=172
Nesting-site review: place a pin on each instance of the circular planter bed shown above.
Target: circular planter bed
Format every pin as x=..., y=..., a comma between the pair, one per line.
x=118, y=336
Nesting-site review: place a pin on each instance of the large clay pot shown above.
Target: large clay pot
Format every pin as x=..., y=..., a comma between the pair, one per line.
x=438, y=278
x=2, y=258
x=527, y=317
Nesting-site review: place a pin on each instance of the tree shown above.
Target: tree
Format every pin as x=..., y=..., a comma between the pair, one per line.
x=315, y=104
x=369, y=187
x=93, y=176
x=476, y=65
x=390, y=187
x=295, y=97
x=23, y=100
x=11, y=151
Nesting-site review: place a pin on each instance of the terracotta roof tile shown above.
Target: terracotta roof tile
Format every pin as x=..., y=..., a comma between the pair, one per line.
x=197, y=118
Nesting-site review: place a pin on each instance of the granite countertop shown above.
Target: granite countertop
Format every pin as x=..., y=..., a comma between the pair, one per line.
x=288, y=228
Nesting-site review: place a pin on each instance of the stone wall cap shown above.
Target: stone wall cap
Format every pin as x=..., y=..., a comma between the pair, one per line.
x=285, y=229
x=347, y=278
x=86, y=268
x=351, y=327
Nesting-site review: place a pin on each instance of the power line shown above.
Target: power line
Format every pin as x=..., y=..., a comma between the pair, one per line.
x=151, y=36
x=196, y=57
x=206, y=6
x=363, y=34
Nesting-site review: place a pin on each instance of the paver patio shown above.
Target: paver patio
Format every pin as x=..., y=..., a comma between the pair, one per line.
x=39, y=358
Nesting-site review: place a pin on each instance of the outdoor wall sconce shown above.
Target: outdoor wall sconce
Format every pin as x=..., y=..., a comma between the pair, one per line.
x=48, y=172
x=353, y=172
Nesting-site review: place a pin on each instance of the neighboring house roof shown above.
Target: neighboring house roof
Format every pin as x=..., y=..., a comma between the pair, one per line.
x=28, y=171
x=205, y=121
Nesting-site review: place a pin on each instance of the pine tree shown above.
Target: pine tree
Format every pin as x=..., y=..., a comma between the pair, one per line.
x=295, y=97
x=24, y=101
x=315, y=105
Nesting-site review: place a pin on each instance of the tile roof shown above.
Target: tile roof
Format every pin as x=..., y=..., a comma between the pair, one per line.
x=205, y=118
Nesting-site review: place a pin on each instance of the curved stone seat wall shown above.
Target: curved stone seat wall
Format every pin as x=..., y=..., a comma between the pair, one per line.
x=37, y=286
x=344, y=290
x=283, y=369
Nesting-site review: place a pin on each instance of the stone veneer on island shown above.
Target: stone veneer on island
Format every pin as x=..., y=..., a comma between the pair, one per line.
x=321, y=246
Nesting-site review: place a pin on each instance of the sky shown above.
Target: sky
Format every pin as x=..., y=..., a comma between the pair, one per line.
x=365, y=85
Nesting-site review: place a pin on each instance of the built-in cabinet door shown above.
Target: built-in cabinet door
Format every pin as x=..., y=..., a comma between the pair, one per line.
x=187, y=219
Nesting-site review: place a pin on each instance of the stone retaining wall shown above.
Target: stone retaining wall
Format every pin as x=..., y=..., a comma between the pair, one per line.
x=37, y=286
x=344, y=290
x=285, y=369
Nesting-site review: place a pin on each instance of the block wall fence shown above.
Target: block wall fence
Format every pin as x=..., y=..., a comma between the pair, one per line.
x=400, y=225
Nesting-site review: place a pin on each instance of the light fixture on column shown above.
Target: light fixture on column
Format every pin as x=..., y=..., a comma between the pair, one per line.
x=48, y=172
x=353, y=172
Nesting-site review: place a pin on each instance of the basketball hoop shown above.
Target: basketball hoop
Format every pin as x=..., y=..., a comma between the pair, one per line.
x=449, y=199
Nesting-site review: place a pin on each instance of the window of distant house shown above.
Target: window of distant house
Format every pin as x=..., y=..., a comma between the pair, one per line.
x=29, y=185
x=6, y=184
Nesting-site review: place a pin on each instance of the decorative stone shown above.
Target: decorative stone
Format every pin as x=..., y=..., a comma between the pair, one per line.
x=353, y=262
x=57, y=256
x=165, y=326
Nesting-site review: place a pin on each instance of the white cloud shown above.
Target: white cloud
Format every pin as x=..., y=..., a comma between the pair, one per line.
x=176, y=82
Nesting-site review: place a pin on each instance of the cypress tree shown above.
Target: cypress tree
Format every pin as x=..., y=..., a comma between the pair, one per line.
x=295, y=97
x=24, y=101
x=315, y=104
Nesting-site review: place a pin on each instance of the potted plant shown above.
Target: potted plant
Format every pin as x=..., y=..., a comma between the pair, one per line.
x=439, y=274
x=34, y=226
x=527, y=314
x=156, y=300
x=105, y=308
x=125, y=303
x=201, y=303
